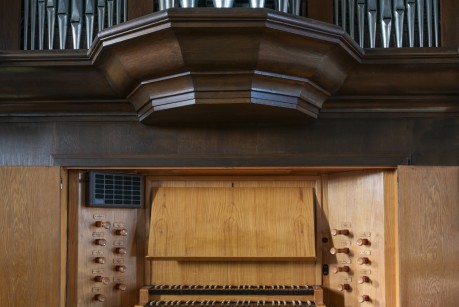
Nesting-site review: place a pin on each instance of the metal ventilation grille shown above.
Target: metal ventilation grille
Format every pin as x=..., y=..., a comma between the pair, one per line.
x=114, y=190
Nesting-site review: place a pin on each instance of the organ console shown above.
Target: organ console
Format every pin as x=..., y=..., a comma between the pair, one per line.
x=229, y=242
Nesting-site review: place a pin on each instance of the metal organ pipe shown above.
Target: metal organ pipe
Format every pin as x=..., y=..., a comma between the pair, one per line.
x=40, y=19
x=41, y=23
x=76, y=21
x=351, y=4
x=386, y=21
x=51, y=18
x=62, y=17
x=89, y=17
x=372, y=11
x=361, y=21
x=411, y=9
x=399, y=13
x=33, y=22
x=422, y=15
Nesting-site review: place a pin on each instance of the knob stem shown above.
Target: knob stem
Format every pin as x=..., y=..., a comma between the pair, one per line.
x=344, y=232
x=343, y=250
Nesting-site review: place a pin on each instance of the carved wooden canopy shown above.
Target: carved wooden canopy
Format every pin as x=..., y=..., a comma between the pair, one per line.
x=212, y=65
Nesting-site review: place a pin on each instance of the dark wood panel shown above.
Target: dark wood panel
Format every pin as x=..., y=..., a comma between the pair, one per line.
x=31, y=238
x=139, y=8
x=449, y=23
x=10, y=25
x=26, y=143
x=320, y=10
x=345, y=142
x=429, y=236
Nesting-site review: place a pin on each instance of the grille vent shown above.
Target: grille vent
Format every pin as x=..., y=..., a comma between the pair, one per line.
x=114, y=190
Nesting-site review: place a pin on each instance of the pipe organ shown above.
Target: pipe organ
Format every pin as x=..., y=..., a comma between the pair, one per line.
x=396, y=23
x=83, y=18
x=169, y=218
x=372, y=23
x=319, y=240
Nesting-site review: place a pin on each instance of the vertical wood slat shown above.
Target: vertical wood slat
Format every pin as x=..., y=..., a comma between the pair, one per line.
x=429, y=236
x=30, y=223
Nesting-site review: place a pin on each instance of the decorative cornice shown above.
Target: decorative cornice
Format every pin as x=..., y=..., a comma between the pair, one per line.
x=211, y=65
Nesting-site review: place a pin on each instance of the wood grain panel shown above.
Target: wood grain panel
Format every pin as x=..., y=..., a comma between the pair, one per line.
x=429, y=236
x=83, y=251
x=356, y=201
x=233, y=272
x=232, y=222
x=10, y=25
x=320, y=10
x=449, y=23
x=31, y=236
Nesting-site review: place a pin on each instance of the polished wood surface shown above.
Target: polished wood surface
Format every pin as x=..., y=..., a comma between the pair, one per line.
x=429, y=236
x=235, y=272
x=88, y=278
x=232, y=223
x=362, y=203
x=31, y=240
x=154, y=67
x=286, y=149
x=215, y=61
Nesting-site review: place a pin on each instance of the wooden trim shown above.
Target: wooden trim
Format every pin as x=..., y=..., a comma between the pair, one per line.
x=391, y=237
x=239, y=259
x=64, y=237
x=73, y=213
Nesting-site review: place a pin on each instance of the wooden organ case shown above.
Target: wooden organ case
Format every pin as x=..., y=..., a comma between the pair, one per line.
x=321, y=238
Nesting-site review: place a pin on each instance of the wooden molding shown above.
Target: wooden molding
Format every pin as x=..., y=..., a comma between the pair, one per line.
x=206, y=65
x=206, y=59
